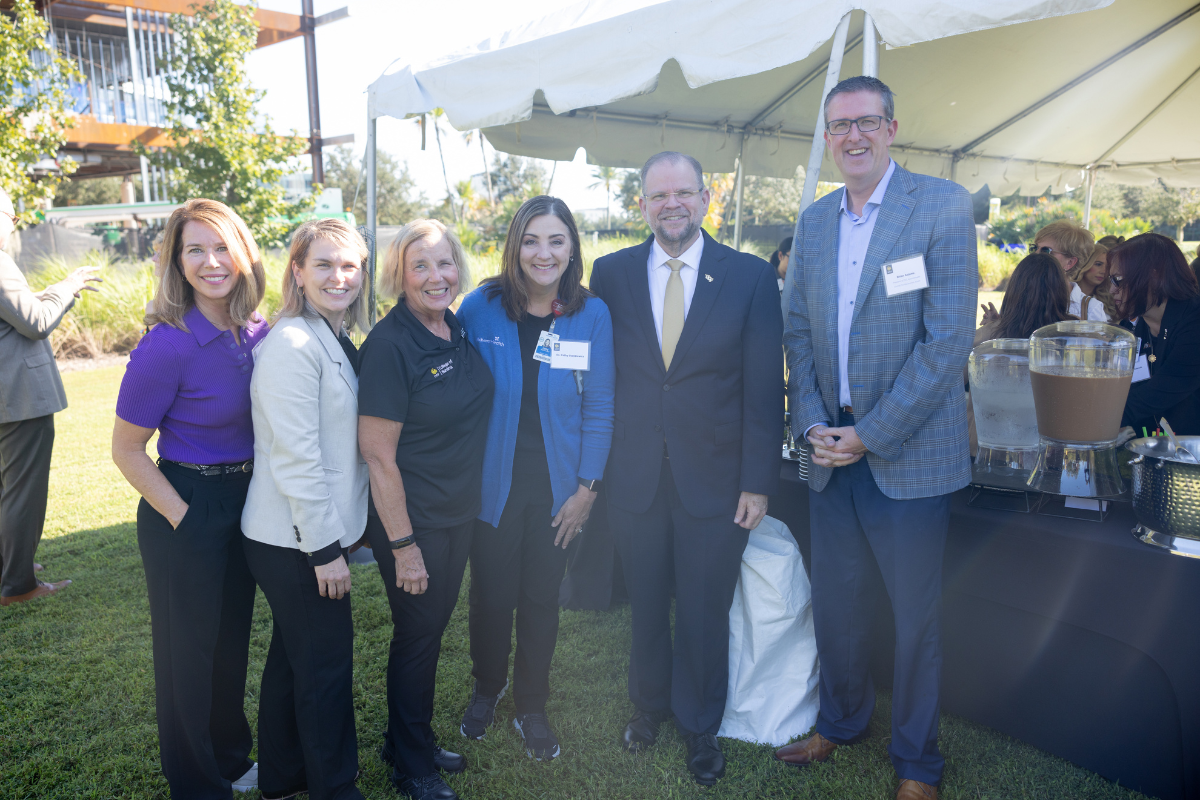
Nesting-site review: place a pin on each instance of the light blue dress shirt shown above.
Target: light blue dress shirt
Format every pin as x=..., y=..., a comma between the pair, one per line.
x=854, y=237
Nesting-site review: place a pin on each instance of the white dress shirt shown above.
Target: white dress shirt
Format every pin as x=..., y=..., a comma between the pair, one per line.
x=659, y=273
x=1096, y=310
x=854, y=237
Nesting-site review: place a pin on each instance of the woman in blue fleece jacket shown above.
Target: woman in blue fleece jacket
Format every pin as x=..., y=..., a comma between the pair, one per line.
x=548, y=343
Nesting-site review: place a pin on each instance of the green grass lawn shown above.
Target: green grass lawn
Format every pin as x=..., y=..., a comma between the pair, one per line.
x=77, y=695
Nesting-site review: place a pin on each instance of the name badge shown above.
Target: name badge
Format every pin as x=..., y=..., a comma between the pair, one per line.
x=1141, y=367
x=906, y=275
x=546, y=340
x=568, y=354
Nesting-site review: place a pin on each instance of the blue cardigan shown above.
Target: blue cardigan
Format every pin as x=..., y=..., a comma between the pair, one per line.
x=577, y=428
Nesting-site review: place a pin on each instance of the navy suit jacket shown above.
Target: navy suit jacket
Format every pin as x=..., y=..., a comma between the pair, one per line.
x=719, y=408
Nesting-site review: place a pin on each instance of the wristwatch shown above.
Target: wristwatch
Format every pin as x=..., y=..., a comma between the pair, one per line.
x=591, y=486
x=400, y=544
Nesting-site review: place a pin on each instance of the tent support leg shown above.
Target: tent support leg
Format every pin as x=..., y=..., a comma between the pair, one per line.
x=371, y=214
x=812, y=172
x=870, y=48
x=739, y=191
x=1087, y=203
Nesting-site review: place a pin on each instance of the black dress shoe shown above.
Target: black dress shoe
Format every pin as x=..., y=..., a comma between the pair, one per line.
x=450, y=763
x=642, y=730
x=705, y=760
x=431, y=787
x=444, y=760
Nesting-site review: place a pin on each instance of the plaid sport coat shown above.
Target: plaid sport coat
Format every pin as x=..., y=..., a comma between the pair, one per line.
x=907, y=352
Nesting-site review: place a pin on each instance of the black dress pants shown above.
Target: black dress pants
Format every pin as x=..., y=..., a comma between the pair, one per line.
x=201, y=605
x=306, y=737
x=516, y=567
x=418, y=622
x=25, y=449
x=702, y=557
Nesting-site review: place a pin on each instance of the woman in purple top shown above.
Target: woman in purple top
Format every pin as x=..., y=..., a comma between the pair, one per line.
x=189, y=378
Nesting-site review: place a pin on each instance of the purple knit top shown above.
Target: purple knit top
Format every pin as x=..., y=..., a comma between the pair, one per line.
x=194, y=386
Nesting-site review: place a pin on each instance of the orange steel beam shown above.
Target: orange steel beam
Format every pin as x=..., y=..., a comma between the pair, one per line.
x=87, y=132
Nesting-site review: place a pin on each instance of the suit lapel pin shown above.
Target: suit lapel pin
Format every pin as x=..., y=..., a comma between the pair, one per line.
x=708, y=277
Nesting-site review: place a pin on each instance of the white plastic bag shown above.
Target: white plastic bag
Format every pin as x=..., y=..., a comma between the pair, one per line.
x=773, y=667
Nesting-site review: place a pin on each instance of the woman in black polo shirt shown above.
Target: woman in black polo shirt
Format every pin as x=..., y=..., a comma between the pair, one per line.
x=424, y=396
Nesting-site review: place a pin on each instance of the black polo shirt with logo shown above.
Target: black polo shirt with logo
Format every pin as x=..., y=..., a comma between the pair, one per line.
x=442, y=392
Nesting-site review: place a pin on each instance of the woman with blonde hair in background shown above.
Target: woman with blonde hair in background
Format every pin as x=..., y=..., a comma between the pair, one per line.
x=1091, y=278
x=307, y=504
x=189, y=379
x=424, y=396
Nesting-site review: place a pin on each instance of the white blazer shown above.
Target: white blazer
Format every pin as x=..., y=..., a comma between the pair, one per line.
x=309, y=486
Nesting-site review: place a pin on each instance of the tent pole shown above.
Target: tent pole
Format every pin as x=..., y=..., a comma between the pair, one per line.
x=813, y=172
x=1087, y=203
x=870, y=38
x=737, y=219
x=371, y=211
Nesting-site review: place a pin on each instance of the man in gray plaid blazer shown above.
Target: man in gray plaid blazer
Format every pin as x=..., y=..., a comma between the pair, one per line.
x=879, y=326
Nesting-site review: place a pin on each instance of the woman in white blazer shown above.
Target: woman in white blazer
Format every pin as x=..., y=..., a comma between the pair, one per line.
x=306, y=505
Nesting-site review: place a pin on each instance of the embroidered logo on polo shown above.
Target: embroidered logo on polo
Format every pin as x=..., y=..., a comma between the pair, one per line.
x=496, y=341
x=441, y=369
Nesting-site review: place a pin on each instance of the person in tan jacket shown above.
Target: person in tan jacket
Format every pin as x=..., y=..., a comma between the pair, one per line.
x=30, y=394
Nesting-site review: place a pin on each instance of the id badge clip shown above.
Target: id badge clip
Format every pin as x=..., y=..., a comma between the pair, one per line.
x=1141, y=365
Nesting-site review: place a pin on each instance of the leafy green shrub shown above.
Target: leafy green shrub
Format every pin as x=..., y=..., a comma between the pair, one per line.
x=996, y=265
x=1018, y=224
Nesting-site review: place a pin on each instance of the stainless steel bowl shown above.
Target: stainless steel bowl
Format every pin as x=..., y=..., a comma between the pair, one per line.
x=1166, y=491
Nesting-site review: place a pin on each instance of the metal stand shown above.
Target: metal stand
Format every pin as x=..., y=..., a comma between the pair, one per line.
x=998, y=499
x=1056, y=506
x=1177, y=545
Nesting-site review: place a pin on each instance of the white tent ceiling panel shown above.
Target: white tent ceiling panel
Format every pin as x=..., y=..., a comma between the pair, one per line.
x=629, y=78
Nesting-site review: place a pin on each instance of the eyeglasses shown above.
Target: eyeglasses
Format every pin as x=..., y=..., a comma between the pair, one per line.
x=1115, y=280
x=1050, y=251
x=15, y=219
x=840, y=127
x=661, y=197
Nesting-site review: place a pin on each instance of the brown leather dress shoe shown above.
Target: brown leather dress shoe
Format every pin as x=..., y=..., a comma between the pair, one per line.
x=807, y=751
x=915, y=790
x=43, y=590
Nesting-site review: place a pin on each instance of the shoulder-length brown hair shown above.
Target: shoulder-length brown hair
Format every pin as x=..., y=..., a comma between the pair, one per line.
x=1153, y=269
x=338, y=232
x=174, y=296
x=1038, y=294
x=512, y=285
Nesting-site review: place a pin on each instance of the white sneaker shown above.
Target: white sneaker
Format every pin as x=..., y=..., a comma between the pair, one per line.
x=248, y=781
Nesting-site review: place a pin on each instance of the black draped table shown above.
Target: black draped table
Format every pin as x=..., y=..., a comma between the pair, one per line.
x=1067, y=634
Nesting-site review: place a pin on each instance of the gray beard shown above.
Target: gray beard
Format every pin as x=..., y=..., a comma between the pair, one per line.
x=675, y=243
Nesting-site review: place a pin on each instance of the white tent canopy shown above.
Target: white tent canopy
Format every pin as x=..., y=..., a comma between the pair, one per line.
x=1018, y=107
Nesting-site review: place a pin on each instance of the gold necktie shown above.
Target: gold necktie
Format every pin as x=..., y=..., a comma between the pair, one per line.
x=672, y=311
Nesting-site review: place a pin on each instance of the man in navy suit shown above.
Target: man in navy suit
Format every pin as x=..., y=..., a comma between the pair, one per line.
x=696, y=448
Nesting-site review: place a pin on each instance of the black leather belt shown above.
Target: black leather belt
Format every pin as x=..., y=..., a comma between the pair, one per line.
x=208, y=470
x=847, y=409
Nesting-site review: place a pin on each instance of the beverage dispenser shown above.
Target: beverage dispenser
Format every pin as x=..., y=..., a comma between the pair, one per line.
x=1002, y=401
x=1080, y=374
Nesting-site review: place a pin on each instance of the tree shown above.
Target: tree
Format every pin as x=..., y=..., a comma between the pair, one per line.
x=89, y=192
x=437, y=115
x=212, y=121
x=1172, y=207
x=487, y=173
x=606, y=177
x=34, y=81
x=516, y=176
x=396, y=196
